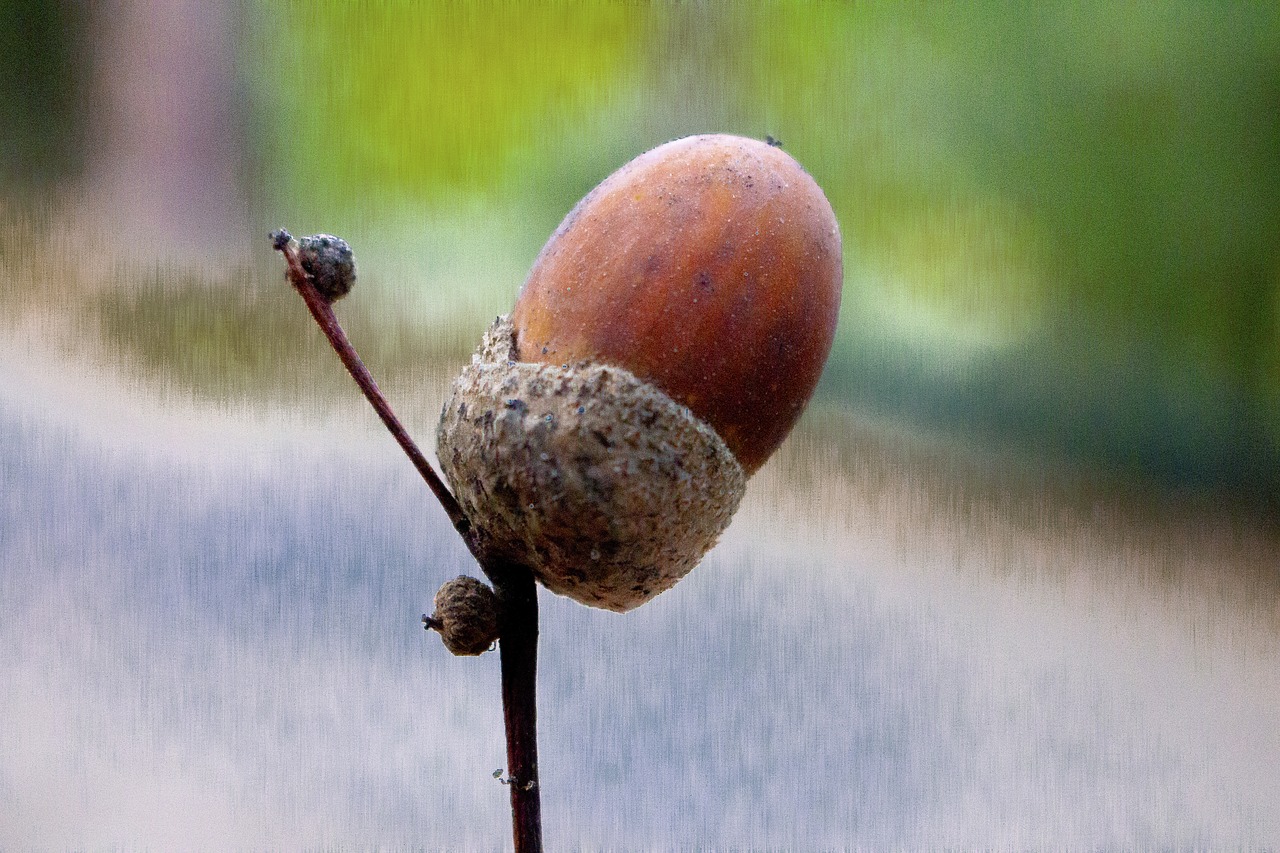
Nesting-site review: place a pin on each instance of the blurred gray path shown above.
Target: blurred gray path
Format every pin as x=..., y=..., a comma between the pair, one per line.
x=221, y=648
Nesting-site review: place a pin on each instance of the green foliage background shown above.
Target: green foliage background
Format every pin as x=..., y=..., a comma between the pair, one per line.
x=1061, y=220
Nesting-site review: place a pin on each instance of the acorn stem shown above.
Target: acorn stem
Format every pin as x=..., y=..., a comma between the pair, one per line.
x=322, y=311
x=518, y=646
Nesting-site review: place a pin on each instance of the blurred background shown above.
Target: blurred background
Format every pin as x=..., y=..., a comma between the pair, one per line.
x=1015, y=579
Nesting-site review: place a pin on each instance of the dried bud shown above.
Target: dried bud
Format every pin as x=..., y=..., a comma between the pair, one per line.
x=330, y=263
x=466, y=616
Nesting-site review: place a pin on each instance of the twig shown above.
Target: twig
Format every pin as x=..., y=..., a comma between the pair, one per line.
x=513, y=583
x=322, y=311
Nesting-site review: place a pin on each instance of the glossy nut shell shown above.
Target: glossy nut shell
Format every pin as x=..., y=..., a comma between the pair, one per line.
x=710, y=267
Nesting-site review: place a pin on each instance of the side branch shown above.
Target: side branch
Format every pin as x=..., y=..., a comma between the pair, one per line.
x=322, y=311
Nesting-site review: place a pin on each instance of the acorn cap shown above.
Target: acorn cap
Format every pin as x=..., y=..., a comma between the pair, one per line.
x=609, y=490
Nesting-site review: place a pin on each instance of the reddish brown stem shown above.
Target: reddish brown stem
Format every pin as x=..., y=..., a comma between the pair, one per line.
x=519, y=649
x=514, y=584
x=322, y=311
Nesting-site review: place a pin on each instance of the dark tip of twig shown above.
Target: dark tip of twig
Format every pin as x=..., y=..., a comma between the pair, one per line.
x=431, y=624
x=280, y=239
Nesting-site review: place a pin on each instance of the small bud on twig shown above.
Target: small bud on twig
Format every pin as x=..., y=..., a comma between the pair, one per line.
x=466, y=616
x=330, y=263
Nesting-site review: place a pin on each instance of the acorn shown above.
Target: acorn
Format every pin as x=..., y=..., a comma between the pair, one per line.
x=665, y=342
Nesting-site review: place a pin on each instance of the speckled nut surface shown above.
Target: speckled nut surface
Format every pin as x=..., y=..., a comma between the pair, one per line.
x=602, y=484
x=466, y=616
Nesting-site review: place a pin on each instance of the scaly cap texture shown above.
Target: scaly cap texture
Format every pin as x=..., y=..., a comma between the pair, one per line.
x=609, y=490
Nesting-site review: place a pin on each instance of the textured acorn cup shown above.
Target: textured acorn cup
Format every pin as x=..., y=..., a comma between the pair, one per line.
x=709, y=266
x=609, y=490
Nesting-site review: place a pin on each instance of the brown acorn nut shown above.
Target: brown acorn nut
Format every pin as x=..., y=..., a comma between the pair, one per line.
x=666, y=341
x=709, y=266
